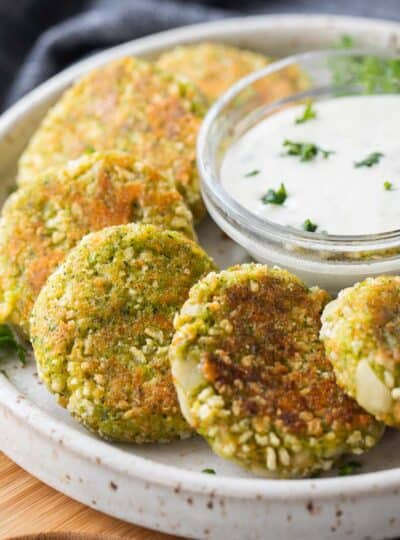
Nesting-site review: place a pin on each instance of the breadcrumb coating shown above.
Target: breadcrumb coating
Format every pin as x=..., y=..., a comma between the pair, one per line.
x=44, y=219
x=102, y=325
x=253, y=379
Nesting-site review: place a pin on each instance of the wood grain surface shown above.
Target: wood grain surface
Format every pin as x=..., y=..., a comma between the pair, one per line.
x=27, y=506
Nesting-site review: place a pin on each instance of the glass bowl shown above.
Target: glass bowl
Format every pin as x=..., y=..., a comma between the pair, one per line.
x=330, y=261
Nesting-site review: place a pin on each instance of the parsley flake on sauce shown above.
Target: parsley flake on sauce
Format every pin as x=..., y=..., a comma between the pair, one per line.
x=305, y=151
x=388, y=186
x=252, y=173
x=308, y=114
x=273, y=196
x=351, y=467
x=371, y=160
x=8, y=343
x=309, y=226
x=208, y=471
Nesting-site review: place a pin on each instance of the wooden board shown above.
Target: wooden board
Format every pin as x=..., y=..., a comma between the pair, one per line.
x=27, y=506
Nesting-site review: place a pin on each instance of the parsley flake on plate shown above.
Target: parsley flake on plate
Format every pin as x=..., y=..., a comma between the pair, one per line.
x=351, y=467
x=371, y=160
x=305, y=151
x=208, y=471
x=8, y=344
x=309, y=226
x=273, y=196
x=346, y=42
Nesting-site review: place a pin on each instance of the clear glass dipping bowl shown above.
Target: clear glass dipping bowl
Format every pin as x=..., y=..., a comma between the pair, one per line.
x=330, y=261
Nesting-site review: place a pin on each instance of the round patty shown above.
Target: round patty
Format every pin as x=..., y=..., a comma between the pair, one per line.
x=253, y=379
x=44, y=219
x=102, y=325
x=361, y=332
x=127, y=105
x=213, y=67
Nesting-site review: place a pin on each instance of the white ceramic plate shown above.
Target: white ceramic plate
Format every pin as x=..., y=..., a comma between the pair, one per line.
x=162, y=487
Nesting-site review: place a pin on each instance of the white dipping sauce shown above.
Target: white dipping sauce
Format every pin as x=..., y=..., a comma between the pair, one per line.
x=332, y=193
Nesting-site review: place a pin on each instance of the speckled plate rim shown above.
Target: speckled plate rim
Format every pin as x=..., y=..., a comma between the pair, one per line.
x=92, y=449
x=16, y=406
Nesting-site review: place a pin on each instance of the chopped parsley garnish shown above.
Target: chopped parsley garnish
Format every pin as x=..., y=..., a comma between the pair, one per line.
x=3, y=372
x=346, y=42
x=388, y=186
x=373, y=74
x=273, y=196
x=369, y=161
x=309, y=226
x=90, y=150
x=305, y=151
x=308, y=114
x=252, y=173
x=351, y=467
x=208, y=471
x=8, y=343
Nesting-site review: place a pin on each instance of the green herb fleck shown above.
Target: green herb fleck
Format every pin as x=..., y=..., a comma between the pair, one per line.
x=8, y=343
x=252, y=173
x=11, y=189
x=308, y=114
x=351, y=467
x=4, y=372
x=309, y=226
x=305, y=151
x=208, y=471
x=388, y=186
x=369, y=161
x=346, y=42
x=373, y=74
x=90, y=150
x=273, y=196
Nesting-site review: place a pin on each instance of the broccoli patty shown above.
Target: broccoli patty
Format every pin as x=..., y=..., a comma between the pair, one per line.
x=361, y=332
x=213, y=67
x=128, y=105
x=102, y=325
x=43, y=220
x=253, y=379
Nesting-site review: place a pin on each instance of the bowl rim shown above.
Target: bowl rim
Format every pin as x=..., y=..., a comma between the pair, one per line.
x=48, y=427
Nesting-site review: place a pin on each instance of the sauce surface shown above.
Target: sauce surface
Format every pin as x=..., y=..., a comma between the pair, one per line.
x=349, y=179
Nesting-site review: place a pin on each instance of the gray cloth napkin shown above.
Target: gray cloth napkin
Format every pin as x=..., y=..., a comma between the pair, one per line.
x=38, y=38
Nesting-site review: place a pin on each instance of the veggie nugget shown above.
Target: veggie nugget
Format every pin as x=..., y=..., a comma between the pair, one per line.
x=127, y=105
x=102, y=325
x=43, y=220
x=213, y=67
x=253, y=379
x=361, y=332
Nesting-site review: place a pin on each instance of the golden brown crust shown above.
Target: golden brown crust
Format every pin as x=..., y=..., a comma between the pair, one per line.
x=253, y=379
x=102, y=324
x=127, y=105
x=255, y=364
x=44, y=219
x=361, y=333
x=213, y=67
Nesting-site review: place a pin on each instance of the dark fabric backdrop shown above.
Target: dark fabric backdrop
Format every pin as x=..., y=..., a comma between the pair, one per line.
x=38, y=38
